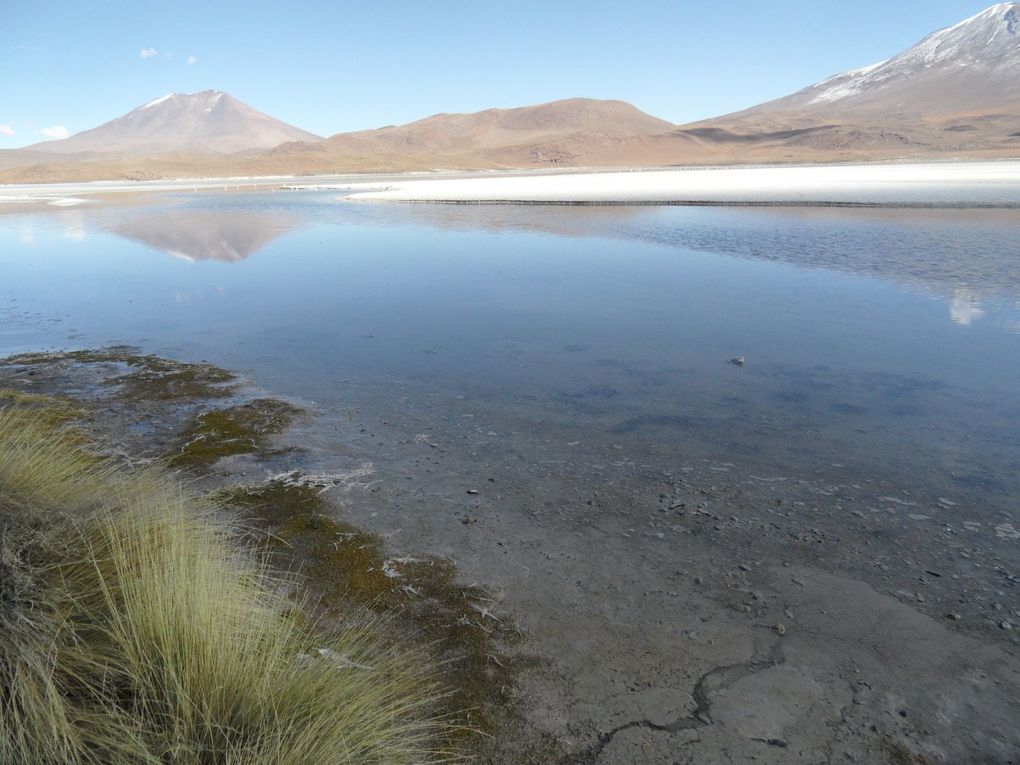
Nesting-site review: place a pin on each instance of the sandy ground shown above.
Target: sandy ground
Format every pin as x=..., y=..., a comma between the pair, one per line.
x=963, y=183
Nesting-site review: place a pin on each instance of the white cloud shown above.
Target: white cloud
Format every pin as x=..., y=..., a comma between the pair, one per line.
x=6, y=130
x=192, y=59
x=56, y=133
x=147, y=53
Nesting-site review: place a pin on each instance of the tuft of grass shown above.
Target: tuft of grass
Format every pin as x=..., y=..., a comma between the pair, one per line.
x=345, y=566
x=242, y=429
x=133, y=629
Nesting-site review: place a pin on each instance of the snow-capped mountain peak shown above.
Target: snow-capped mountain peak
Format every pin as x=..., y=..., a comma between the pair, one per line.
x=988, y=41
x=207, y=121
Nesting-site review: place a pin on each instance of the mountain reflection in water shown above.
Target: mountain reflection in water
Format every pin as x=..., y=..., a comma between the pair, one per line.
x=227, y=235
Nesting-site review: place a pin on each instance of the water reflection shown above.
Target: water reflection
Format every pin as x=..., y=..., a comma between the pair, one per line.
x=966, y=257
x=226, y=235
x=965, y=306
x=621, y=319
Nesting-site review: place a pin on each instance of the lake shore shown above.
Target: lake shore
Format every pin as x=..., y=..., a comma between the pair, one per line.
x=919, y=184
x=673, y=605
x=944, y=184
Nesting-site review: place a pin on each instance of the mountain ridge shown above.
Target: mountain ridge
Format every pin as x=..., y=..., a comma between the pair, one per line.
x=953, y=94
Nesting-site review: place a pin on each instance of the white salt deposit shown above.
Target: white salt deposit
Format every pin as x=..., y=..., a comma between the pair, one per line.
x=946, y=183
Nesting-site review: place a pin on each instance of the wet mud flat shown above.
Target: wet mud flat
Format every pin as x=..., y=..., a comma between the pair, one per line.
x=671, y=606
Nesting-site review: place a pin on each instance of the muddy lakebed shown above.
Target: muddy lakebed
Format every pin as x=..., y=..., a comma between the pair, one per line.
x=808, y=556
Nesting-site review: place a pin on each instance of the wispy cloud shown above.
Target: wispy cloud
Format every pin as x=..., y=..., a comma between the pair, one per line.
x=147, y=53
x=192, y=59
x=6, y=130
x=56, y=133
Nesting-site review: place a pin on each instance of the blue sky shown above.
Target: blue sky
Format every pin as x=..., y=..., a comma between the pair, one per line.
x=336, y=66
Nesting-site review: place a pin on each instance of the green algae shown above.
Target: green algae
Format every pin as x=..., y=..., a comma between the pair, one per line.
x=150, y=378
x=243, y=429
x=344, y=566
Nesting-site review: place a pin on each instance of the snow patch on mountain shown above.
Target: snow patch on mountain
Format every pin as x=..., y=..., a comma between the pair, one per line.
x=988, y=39
x=157, y=101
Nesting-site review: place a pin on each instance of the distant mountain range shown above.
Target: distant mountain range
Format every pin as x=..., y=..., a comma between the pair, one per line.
x=954, y=94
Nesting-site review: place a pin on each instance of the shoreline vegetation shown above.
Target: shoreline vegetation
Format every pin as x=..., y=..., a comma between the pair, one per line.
x=146, y=620
x=135, y=629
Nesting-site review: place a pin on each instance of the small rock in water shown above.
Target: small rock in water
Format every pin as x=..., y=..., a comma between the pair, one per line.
x=472, y=491
x=737, y=361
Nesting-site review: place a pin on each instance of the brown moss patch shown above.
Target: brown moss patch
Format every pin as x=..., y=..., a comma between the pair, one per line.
x=243, y=429
x=900, y=754
x=345, y=566
x=149, y=377
x=49, y=410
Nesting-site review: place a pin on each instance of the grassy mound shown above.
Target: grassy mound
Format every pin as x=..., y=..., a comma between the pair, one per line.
x=133, y=630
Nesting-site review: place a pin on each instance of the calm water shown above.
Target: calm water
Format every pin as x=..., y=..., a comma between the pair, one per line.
x=885, y=340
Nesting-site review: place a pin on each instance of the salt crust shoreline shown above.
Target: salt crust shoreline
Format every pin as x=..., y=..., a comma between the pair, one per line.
x=980, y=184
x=922, y=184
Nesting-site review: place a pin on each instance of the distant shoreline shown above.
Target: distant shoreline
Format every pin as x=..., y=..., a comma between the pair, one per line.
x=982, y=184
x=964, y=184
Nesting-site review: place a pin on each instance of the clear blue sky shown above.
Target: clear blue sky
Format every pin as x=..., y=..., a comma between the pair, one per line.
x=336, y=66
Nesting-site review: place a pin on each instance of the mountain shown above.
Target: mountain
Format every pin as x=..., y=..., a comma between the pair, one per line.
x=971, y=67
x=208, y=122
x=955, y=91
x=955, y=94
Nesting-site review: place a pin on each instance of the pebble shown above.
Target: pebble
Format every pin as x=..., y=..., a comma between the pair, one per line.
x=744, y=567
x=472, y=491
x=1004, y=625
x=780, y=628
x=954, y=616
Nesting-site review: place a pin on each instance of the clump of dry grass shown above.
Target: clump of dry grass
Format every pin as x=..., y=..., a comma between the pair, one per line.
x=133, y=630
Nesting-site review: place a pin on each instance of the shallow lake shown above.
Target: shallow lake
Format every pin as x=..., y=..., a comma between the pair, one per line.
x=883, y=342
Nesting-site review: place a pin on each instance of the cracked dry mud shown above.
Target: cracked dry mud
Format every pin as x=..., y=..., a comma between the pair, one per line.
x=687, y=610
x=693, y=611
